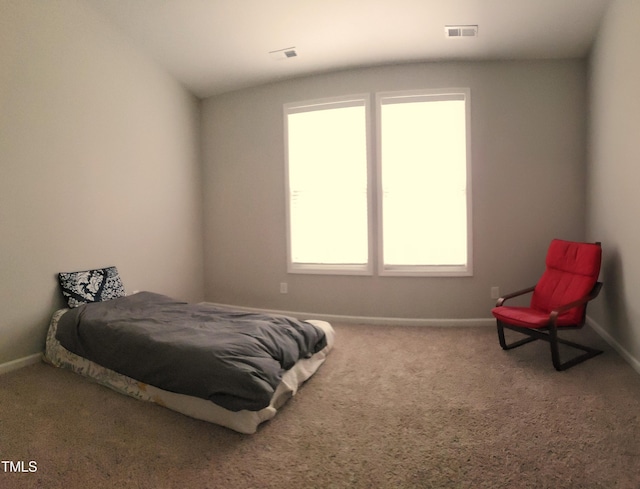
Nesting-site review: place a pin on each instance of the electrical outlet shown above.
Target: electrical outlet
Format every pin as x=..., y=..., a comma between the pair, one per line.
x=284, y=288
x=495, y=292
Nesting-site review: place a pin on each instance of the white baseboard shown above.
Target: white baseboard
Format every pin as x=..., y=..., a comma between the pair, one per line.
x=630, y=359
x=20, y=362
x=390, y=321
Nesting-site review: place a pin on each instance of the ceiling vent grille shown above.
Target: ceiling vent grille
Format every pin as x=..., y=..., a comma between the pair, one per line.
x=455, y=31
x=284, y=53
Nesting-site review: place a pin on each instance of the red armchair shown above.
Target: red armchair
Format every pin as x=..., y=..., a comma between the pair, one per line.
x=559, y=301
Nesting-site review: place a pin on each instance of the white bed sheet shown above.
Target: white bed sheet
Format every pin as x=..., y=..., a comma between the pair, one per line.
x=195, y=407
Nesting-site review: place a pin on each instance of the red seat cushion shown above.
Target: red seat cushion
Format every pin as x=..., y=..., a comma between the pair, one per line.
x=572, y=271
x=526, y=317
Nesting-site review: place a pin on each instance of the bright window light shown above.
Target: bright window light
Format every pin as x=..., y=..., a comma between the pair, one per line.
x=327, y=181
x=423, y=183
x=416, y=216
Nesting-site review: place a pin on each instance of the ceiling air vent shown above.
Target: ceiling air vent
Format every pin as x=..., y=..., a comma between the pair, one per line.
x=461, y=31
x=284, y=53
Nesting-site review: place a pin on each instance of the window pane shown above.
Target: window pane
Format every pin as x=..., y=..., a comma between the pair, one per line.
x=423, y=172
x=327, y=157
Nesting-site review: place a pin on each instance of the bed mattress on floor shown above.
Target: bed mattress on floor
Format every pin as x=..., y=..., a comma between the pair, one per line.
x=242, y=421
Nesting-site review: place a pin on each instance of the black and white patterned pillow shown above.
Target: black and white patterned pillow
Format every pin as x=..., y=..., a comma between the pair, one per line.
x=87, y=286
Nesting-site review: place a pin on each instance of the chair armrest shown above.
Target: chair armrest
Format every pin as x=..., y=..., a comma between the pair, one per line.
x=583, y=300
x=514, y=294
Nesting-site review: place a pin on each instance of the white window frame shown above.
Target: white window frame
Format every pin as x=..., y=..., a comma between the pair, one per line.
x=424, y=270
x=332, y=268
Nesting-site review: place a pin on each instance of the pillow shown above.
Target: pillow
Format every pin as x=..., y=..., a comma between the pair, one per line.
x=87, y=286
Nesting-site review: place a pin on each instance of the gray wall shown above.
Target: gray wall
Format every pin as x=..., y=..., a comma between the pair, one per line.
x=614, y=173
x=528, y=149
x=99, y=162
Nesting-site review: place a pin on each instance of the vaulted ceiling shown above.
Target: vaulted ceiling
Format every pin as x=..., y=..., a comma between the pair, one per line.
x=214, y=46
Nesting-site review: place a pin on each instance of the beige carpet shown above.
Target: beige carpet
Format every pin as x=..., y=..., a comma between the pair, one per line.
x=393, y=407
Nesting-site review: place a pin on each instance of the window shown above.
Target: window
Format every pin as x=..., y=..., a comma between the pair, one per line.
x=327, y=170
x=420, y=223
x=423, y=183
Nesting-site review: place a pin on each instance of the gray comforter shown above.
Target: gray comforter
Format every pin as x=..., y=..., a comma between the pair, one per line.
x=235, y=359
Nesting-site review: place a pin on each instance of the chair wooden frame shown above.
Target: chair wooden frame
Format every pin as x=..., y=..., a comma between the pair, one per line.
x=551, y=328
